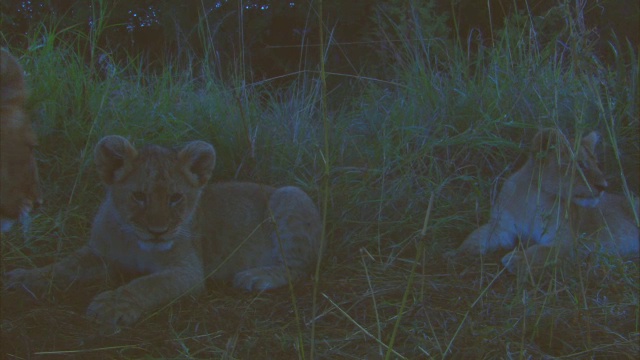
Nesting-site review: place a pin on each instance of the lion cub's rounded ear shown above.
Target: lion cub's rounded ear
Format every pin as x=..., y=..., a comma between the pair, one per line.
x=549, y=139
x=114, y=156
x=197, y=159
x=545, y=139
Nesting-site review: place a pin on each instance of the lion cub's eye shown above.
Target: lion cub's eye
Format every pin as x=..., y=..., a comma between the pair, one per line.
x=139, y=197
x=175, y=199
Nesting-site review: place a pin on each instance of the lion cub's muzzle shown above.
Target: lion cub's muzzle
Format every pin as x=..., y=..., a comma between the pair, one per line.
x=155, y=244
x=154, y=238
x=591, y=198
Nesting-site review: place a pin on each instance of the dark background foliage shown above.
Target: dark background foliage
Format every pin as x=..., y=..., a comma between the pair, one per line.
x=266, y=36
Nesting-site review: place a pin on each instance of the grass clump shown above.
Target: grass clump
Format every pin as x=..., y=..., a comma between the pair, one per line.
x=443, y=127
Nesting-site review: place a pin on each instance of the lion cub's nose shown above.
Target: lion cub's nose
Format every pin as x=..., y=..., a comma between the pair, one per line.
x=601, y=186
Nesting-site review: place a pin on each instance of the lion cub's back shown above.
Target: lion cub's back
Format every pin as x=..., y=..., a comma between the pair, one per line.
x=238, y=218
x=228, y=212
x=235, y=201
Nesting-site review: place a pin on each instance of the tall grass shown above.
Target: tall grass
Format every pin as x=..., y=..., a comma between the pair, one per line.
x=448, y=122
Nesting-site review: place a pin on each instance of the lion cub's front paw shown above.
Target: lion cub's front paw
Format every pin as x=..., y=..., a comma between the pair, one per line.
x=260, y=279
x=114, y=308
x=512, y=261
x=31, y=280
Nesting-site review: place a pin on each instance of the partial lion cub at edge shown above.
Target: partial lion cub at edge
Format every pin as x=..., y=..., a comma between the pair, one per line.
x=19, y=188
x=556, y=197
x=160, y=219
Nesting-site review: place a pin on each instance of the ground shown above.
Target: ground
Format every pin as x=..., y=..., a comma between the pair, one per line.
x=467, y=309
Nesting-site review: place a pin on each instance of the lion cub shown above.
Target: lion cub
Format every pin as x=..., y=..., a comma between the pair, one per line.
x=555, y=198
x=19, y=190
x=161, y=220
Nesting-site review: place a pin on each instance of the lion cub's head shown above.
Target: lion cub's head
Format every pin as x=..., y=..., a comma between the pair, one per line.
x=19, y=190
x=568, y=168
x=154, y=190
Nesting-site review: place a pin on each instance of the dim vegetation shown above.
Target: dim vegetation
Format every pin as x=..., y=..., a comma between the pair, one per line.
x=443, y=118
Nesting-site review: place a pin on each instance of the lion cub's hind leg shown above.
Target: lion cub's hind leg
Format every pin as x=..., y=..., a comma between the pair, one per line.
x=296, y=242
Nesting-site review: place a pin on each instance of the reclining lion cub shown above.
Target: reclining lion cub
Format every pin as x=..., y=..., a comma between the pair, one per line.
x=19, y=190
x=161, y=220
x=555, y=198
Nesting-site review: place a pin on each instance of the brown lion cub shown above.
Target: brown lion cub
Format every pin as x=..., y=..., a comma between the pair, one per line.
x=160, y=219
x=19, y=190
x=556, y=197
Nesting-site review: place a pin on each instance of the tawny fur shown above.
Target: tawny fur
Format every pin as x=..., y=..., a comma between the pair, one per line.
x=556, y=198
x=19, y=190
x=162, y=221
